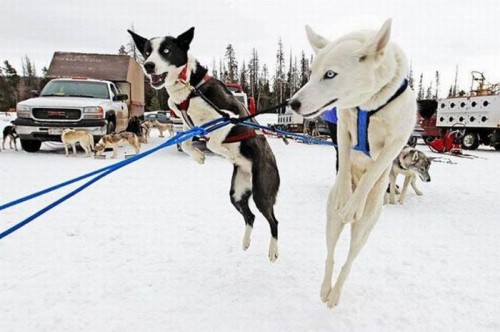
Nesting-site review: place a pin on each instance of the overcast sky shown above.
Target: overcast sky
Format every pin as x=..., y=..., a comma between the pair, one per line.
x=435, y=34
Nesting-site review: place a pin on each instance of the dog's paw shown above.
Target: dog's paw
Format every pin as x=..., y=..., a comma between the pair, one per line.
x=198, y=156
x=273, y=250
x=333, y=298
x=353, y=210
x=326, y=289
x=246, y=237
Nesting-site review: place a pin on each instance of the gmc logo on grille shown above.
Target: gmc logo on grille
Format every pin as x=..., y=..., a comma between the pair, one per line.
x=56, y=114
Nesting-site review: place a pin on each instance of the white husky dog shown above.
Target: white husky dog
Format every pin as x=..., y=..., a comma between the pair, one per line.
x=362, y=74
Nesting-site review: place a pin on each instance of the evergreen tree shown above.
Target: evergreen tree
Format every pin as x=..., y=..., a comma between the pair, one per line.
x=428, y=93
x=279, y=76
x=244, y=77
x=420, y=94
x=410, y=77
x=215, y=73
x=436, y=94
x=10, y=74
x=122, y=50
x=29, y=80
x=253, y=73
x=305, y=72
x=232, y=64
x=132, y=50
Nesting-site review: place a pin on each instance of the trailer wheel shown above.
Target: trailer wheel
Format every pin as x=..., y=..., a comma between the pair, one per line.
x=470, y=141
x=31, y=146
x=412, y=141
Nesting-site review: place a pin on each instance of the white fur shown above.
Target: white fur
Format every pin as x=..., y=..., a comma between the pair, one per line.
x=369, y=70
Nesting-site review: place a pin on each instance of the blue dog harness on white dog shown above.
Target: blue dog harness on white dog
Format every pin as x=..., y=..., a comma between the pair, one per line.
x=364, y=121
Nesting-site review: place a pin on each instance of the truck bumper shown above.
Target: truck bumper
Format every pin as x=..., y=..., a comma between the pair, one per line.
x=30, y=129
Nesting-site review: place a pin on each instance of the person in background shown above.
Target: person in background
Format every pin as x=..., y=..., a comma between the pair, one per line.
x=330, y=118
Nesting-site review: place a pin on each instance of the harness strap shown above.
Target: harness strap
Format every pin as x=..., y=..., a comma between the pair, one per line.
x=363, y=123
x=240, y=137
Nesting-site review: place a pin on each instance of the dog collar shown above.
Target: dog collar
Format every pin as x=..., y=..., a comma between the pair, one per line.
x=364, y=121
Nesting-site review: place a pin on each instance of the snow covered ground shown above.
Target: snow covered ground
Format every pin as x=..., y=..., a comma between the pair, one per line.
x=156, y=246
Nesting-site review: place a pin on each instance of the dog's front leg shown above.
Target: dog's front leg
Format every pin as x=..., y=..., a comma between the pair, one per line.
x=354, y=208
x=215, y=144
x=392, y=187
x=195, y=153
x=343, y=185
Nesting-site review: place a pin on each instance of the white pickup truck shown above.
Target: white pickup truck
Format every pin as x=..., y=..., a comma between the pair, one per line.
x=97, y=106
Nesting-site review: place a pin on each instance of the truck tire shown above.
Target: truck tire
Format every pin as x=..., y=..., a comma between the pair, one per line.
x=497, y=147
x=110, y=128
x=31, y=145
x=470, y=141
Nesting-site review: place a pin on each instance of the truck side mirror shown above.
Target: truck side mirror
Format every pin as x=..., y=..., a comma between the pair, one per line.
x=120, y=97
x=35, y=93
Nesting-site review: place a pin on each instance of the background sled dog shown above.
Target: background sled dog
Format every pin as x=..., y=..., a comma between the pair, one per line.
x=364, y=76
x=86, y=140
x=9, y=132
x=116, y=140
x=410, y=162
x=168, y=64
x=162, y=127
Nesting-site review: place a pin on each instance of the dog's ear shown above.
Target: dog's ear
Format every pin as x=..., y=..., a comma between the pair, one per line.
x=317, y=42
x=416, y=156
x=139, y=41
x=185, y=38
x=376, y=46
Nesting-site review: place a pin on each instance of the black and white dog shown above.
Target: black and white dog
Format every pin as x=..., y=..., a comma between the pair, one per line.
x=10, y=133
x=168, y=64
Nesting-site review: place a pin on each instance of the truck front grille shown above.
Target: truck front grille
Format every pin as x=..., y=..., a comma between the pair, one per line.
x=57, y=113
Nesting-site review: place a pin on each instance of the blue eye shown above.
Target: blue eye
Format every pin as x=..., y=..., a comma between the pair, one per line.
x=329, y=75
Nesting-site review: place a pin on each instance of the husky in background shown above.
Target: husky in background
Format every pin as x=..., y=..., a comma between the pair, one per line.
x=117, y=140
x=10, y=133
x=409, y=163
x=363, y=75
x=168, y=64
x=71, y=137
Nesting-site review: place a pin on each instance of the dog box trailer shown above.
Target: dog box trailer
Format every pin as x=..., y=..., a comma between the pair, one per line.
x=290, y=121
x=477, y=114
x=94, y=92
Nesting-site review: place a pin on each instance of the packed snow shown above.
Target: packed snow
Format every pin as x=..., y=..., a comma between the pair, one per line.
x=156, y=246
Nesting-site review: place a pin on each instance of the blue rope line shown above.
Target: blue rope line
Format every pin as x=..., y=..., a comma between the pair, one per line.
x=302, y=138
x=178, y=138
x=201, y=130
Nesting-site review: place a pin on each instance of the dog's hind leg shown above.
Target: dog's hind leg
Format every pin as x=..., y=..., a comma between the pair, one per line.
x=360, y=230
x=241, y=190
x=265, y=188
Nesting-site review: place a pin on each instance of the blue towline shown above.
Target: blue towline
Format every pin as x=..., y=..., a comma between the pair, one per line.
x=180, y=137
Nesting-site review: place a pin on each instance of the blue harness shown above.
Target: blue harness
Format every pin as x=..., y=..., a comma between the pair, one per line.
x=364, y=121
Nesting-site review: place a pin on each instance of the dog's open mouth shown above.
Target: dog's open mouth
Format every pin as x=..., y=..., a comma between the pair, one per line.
x=158, y=80
x=313, y=114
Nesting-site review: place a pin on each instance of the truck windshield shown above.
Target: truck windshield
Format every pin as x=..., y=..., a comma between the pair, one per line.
x=76, y=89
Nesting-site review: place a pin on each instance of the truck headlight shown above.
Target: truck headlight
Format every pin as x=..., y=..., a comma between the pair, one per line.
x=94, y=112
x=23, y=111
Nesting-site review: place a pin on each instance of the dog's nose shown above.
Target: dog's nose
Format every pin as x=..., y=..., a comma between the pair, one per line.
x=149, y=67
x=295, y=104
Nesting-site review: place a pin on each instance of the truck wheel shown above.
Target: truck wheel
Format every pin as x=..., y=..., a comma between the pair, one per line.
x=110, y=128
x=497, y=147
x=470, y=141
x=31, y=145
